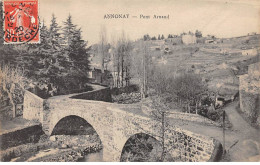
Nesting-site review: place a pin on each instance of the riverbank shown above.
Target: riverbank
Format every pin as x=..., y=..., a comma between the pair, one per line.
x=64, y=148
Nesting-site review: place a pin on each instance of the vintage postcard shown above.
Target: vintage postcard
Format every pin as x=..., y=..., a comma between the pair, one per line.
x=129, y=81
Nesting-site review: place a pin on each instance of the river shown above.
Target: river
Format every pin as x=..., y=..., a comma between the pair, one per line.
x=93, y=157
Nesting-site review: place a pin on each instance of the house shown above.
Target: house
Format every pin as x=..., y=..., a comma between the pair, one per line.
x=174, y=41
x=189, y=39
x=96, y=76
x=158, y=42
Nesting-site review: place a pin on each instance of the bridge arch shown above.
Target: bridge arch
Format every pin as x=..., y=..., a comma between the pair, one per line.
x=73, y=125
x=141, y=147
x=85, y=121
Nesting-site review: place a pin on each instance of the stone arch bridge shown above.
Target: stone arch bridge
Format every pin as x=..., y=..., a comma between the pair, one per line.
x=114, y=124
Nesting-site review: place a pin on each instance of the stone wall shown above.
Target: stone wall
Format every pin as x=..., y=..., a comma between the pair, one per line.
x=184, y=116
x=100, y=95
x=249, y=88
x=29, y=134
x=249, y=105
x=128, y=89
x=189, y=147
x=33, y=107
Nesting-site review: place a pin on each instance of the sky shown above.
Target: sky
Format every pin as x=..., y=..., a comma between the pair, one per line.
x=222, y=18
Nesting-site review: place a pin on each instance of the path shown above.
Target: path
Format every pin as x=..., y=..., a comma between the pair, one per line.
x=247, y=138
x=248, y=146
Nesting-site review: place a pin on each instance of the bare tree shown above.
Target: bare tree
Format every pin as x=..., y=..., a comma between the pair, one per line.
x=141, y=61
x=188, y=89
x=12, y=81
x=159, y=114
x=103, y=47
x=122, y=52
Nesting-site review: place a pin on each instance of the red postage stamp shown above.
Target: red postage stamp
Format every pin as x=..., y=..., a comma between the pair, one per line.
x=21, y=21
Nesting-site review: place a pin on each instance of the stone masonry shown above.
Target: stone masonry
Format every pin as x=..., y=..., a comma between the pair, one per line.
x=249, y=93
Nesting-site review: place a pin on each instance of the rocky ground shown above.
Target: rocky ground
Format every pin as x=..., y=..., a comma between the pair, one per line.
x=62, y=148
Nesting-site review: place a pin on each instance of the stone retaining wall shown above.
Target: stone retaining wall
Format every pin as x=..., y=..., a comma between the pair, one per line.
x=249, y=95
x=190, y=147
x=99, y=95
x=30, y=134
x=184, y=116
x=192, y=117
x=249, y=105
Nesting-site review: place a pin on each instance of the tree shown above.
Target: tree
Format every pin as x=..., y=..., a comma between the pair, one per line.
x=159, y=37
x=122, y=59
x=159, y=115
x=147, y=37
x=188, y=89
x=141, y=61
x=12, y=81
x=51, y=51
x=75, y=53
x=153, y=38
x=103, y=48
x=159, y=82
x=68, y=30
x=79, y=55
x=198, y=34
x=162, y=38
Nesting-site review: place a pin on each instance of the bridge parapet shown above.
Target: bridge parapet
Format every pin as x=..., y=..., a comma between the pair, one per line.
x=33, y=107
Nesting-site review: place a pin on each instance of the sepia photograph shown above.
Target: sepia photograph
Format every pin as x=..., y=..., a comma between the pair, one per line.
x=129, y=81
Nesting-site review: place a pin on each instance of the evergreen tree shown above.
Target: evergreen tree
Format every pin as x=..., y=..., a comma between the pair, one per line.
x=68, y=30
x=75, y=49
x=54, y=33
x=162, y=38
x=51, y=58
x=159, y=37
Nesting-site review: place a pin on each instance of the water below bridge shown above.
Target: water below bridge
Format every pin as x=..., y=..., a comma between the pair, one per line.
x=93, y=157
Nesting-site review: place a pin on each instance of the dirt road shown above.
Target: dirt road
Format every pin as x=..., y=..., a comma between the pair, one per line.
x=248, y=146
x=241, y=141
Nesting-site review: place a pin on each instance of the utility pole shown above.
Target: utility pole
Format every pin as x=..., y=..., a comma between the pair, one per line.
x=224, y=152
x=163, y=136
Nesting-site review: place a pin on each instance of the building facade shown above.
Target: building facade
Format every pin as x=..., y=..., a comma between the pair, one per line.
x=249, y=91
x=189, y=39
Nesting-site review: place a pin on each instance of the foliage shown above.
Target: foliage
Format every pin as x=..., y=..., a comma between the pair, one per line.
x=122, y=52
x=162, y=38
x=140, y=66
x=189, y=89
x=198, y=34
x=146, y=37
x=140, y=148
x=61, y=59
x=153, y=38
x=170, y=36
x=12, y=82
